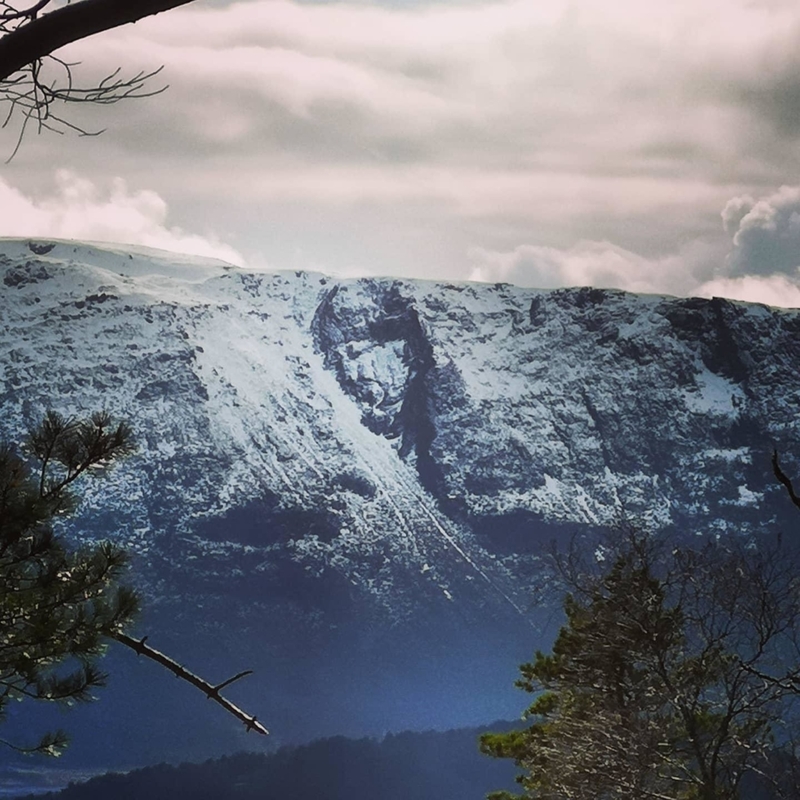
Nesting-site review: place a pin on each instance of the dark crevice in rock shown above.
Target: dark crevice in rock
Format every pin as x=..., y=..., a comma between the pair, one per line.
x=725, y=356
x=326, y=330
x=537, y=314
x=710, y=325
x=414, y=420
x=392, y=406
x=602, y=430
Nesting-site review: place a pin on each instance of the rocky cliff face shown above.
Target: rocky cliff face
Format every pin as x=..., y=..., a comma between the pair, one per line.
x=365, y=473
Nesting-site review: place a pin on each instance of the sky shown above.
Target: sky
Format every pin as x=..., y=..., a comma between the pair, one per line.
x=647, y=146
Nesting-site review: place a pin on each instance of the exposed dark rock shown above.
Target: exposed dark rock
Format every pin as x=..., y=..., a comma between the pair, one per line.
x=41, y=248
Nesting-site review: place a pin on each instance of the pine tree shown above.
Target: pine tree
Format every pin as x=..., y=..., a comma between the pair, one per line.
x=669, y=679
x=61, y=606
x=58, y=606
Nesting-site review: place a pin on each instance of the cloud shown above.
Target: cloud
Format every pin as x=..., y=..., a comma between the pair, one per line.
x=396, y=137
x=774, y=290
x=762, y=265
x=592, y=263
x=766, y=233
x=583, y=119
x=735, y=211
x=80, y=209
x=555, y=82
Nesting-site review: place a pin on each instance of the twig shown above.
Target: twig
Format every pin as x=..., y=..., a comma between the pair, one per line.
x=212, y=692
x=30, y=13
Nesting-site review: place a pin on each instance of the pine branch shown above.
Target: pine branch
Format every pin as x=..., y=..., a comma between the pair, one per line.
x=212, y=692
x=51, y=744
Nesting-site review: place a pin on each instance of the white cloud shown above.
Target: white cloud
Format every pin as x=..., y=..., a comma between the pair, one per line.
x=589, y=263
x=774, y=290
x=736, y=209
x=80, y=209
x=763, y=265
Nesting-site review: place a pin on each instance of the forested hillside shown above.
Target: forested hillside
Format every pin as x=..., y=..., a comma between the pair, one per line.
x=404, y=766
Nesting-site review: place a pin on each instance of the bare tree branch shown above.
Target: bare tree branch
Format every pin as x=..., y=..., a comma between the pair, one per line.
x=30, y=13
x=34, y=98
x=45, y=34
x=211, y=691
x=33, y=80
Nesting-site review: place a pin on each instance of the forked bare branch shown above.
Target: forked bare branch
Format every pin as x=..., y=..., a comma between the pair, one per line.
x=211, y=691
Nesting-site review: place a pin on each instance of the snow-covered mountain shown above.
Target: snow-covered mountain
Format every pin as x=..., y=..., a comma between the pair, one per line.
x=353, y=476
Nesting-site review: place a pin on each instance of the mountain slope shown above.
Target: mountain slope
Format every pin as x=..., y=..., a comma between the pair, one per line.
x=352, y=483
